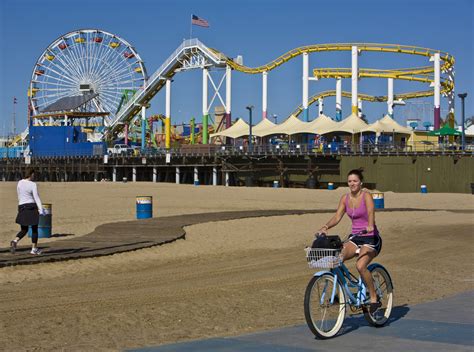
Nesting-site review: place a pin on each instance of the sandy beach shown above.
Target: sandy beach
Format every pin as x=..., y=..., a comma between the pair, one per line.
x=226, y=278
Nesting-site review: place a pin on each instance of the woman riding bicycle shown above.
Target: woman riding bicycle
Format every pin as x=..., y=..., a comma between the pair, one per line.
x=365, y=240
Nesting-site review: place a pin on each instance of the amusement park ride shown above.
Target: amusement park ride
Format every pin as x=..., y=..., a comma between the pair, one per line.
x=109, y=75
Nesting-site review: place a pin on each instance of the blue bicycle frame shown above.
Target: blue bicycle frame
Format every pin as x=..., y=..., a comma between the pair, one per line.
x=342, y=276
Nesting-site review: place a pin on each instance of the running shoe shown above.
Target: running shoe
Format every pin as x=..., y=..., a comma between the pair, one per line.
x=13, y=247
x=36, y=251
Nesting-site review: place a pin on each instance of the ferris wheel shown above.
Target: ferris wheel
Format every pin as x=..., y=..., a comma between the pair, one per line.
x=87, y=62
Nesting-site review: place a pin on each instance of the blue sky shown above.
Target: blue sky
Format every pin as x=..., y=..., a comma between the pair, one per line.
x=258, y=30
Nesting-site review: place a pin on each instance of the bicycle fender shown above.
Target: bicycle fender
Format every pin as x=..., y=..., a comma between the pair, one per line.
x=322, y=272
x=377, y=265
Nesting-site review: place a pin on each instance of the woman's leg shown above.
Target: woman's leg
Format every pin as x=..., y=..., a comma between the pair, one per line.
x=365, y=257
x=19, y=236
x=34, y=236
x=348, y=251
x=22, y=233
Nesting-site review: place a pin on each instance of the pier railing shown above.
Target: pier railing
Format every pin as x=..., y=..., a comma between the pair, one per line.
x=311, y=149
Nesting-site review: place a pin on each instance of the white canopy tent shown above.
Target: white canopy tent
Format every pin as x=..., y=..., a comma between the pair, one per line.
x=238, y=129
x=352, y=124
x=262, y=127
x=292, y=125
x=320, y=124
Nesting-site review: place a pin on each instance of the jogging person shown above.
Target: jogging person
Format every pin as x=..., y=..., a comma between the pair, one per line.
x=29, y=208
x=365, y=240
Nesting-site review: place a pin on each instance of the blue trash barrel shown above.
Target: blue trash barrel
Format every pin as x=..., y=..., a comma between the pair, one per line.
x=196, y=182
x=330, y=185
x=144, y=207
x=276, y=184
x=423, y=189
x=45, y=222
x=379, y=202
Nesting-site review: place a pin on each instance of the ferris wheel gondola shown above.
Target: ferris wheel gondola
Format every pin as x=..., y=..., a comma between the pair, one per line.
x=88, y=61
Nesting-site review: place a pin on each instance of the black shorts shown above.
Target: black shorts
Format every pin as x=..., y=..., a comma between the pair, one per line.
x=374, y=242
x=27, y=214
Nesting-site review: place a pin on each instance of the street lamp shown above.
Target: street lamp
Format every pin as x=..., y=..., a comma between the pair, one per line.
x=249, y=108
x=275, y=116
x=463, y=136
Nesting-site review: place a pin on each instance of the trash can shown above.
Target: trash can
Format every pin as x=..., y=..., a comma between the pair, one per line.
x=379, y=202
x=45, y=222
x=144, y=207
x=276, y=184
x=330, y=186
x=423, y=189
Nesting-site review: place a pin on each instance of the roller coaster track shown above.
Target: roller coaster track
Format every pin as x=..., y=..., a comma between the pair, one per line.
x=194, y=54
x=448, y=60
x=365, y=97
x=186, y=54
x=417, y=74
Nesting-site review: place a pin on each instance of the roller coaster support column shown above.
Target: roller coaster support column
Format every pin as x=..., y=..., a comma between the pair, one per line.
x=168, y=115
x=126, y=133
x=264, y=94
x=355, y=77
x=143, y=127
x=321, y=106
x=192, y=127
x=305, y=86
x=228, y=96
x=338, y=99
x=205, y=110
x=451, y=94
x=437, y=90
x=390, y=98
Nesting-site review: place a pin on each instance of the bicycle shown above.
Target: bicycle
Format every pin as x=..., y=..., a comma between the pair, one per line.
x=329, y=292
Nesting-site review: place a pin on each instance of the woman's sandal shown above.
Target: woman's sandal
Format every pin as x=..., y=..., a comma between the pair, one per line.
x=374, y=306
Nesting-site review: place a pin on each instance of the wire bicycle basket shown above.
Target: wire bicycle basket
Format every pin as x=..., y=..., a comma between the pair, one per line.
x=323, y=258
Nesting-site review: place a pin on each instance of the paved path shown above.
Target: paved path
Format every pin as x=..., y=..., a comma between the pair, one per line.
x=131, y=235
x=444, y=325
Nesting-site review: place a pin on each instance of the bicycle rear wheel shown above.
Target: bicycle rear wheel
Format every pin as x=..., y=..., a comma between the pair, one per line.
x=323, y=317
x=384, y=288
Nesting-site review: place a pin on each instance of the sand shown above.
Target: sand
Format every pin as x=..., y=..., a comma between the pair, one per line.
x=226, y=278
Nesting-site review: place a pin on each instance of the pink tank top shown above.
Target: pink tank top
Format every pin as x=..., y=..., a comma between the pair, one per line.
x=359, y=217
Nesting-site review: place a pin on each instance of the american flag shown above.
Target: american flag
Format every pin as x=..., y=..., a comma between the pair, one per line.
x=198, y=21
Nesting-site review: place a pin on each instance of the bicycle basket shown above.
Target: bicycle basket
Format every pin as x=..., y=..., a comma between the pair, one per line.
x=323, y=258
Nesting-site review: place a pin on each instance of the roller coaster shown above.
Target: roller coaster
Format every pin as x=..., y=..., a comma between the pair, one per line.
x=193, y=54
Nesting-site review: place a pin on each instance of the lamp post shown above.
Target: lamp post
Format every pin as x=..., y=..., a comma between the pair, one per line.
x=249, y=108
x=275, y=117
x=463, y=136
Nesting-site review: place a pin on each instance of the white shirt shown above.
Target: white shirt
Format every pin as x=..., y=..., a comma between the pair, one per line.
x=28, y=193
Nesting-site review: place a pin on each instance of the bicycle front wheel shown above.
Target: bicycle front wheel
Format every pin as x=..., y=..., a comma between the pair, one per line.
x=324, y=306
x=384, y=288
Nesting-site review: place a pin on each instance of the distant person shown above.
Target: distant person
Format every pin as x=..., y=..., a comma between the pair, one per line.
x=364, y=240
x=29, y=209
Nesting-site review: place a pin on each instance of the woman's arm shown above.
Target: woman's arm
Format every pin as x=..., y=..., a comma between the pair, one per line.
x=341, y=209
x=369, y=203
x=37, y=198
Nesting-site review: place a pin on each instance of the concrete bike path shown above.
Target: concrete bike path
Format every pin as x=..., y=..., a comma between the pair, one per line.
x=444, y=325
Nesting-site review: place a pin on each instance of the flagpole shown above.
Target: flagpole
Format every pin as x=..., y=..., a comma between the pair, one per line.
x=191, y=27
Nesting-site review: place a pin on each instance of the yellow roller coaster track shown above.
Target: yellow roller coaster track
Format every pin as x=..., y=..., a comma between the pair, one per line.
x=447, y=59
x=420, y=74
x=366, y=97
